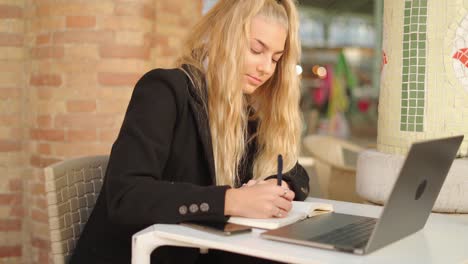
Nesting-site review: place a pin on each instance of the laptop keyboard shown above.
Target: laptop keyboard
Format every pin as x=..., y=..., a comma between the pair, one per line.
x=353, y=235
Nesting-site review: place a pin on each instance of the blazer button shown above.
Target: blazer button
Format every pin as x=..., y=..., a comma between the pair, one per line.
x=183, y=210
x=204, y=207
x=193, y=208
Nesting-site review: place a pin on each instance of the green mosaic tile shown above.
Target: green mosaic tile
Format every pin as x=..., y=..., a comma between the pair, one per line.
x=407, y=12
x=422, y=61
x=419, y=128
x=421, y=94
x=403, y=119
x=419, y=120
x=412, y=86
x=411, y=127
x=406, y=37
x=412, y=111
x=420, y=103
x=411, y=119
x=413, y=94
x=420, y=111
x=412, y=78
x=412, y=103
x=421, y=86
x=405, y=86
x=407, y=21
x=403, y=127
x=406, y=53
x=423, y=11
x=422, y=36
x=404, y=95
x=414, y=11
x=422, y=19
x=404, y=103
x=407, y=4
x=413, y=53
x=422, y=45
x=413, y=36
x=420, y=78
x=404, y=111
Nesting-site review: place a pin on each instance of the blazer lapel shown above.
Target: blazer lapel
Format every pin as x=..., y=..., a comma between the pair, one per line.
x=203, y=127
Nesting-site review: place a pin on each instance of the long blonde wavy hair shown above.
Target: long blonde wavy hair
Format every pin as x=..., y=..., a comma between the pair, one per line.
x=214, y=53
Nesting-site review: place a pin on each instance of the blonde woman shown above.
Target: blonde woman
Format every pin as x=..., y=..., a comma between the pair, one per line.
x=200, y=142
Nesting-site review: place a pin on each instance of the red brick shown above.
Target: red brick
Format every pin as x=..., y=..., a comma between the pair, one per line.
x=134, y=9
x=11, y=40
x=40, y=243
x=10, y=251
x=43, y=39
x=46, y=80
x=41, y=202
x=10, y=225
x=118, y=79
x=55, y=52
x=47, y=134
x=10, y=199
x=15, y=185
x=81, y=135
x=17, y=211
x=8, y=11
x=100, y=37
x=81, y=21
x=44, y=121
x=80, y=106
x=85, y=120
x=125, y=52
x=10, y=93
x=10, y=145
x=39, y=216
x=44, y=149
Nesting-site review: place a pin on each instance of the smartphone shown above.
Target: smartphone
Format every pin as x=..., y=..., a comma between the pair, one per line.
x=226, y=229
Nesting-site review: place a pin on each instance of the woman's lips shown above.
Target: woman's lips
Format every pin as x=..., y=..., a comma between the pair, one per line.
x=253, y=80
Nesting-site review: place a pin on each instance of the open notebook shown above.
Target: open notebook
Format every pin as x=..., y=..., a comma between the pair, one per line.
x=299, y=211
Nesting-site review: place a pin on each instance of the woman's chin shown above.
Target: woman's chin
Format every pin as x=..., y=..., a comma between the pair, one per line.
x=249, y=89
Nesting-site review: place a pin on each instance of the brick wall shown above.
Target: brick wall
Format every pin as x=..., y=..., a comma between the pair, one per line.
x=67, y=70
x=12, y=129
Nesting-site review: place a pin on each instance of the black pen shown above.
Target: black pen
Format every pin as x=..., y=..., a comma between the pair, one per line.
x=279, y=176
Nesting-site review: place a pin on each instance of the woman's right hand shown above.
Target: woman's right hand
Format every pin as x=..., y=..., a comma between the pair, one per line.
x=258, y=201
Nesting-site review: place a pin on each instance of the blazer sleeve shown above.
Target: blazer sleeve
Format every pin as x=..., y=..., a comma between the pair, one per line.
x=136, y=192
x=298, y=181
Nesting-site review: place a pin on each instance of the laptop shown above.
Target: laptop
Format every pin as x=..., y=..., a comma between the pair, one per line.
x=406, y=211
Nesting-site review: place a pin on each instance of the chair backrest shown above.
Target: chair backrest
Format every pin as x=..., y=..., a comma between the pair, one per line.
x=72, y=187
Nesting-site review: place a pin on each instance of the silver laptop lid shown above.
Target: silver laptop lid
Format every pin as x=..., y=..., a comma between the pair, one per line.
x=415, y=191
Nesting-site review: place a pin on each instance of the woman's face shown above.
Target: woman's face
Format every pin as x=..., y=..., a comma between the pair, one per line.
x=267, y=41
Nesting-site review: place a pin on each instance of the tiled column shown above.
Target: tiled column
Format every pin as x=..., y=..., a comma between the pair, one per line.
x=423, y=95
x=424, y=84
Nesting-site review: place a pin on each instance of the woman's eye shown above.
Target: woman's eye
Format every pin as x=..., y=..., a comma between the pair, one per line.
x=255, y=51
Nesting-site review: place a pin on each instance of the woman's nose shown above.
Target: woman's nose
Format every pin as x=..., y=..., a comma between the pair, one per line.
x=265, y=66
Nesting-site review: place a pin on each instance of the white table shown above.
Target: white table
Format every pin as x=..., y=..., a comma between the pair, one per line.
x=443, y=240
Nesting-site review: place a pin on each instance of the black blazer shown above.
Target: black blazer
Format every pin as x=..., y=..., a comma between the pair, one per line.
x=161, y=170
